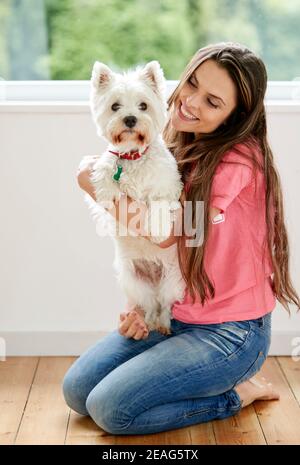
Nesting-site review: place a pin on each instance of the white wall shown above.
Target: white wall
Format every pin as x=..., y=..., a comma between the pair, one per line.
x=58, y=291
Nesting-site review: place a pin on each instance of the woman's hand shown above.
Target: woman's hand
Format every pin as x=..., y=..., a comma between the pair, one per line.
x=132, y=325
x=83, y=174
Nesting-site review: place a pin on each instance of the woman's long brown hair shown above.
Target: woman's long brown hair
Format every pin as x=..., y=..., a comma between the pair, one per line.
x=246, y=125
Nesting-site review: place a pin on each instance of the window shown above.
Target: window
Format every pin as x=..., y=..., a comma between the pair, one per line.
x=59, y=40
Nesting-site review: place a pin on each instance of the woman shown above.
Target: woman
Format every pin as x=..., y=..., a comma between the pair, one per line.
x=133, y=382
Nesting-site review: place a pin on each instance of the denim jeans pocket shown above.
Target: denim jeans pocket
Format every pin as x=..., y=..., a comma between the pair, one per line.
x=237, y=331
x=232, y=336
x=262, y=323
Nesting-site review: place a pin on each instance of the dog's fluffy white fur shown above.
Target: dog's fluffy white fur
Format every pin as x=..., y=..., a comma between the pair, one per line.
x=153, y=178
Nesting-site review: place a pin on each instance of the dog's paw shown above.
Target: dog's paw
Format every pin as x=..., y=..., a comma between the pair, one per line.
x=151, y=326
x=164, y=330
x=163, y=322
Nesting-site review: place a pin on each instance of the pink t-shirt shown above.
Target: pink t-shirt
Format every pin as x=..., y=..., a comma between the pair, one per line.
x=234, y=255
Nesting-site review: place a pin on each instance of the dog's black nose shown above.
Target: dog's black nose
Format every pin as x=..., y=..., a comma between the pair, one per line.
x=130, y=121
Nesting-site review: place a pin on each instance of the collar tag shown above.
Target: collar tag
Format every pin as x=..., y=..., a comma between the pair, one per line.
x=116, y=176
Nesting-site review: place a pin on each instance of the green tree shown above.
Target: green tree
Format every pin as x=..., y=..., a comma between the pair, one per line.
x=61, y=39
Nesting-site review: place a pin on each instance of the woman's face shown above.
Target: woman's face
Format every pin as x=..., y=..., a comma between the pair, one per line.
x=207, y=99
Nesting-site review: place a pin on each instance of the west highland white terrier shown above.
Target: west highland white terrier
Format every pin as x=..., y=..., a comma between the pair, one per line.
x=130, y=111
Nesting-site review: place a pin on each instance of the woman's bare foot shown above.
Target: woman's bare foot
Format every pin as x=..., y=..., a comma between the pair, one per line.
x=256, y=388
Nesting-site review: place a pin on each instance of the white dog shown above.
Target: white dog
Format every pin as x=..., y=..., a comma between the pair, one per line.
x=130, y=111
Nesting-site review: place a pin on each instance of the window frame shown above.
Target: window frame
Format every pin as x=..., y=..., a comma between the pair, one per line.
x=78, y=91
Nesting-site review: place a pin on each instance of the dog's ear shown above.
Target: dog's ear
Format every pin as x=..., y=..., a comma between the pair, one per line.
x=102, y=76
x=153, y=75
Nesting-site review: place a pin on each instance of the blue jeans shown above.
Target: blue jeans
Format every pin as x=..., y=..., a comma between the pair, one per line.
x=167, y=382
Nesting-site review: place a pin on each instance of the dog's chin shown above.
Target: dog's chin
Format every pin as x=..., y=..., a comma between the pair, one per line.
x=130, y=136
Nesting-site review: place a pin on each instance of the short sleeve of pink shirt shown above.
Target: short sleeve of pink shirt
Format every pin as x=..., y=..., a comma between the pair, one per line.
x=231, y=177
x=234, y=256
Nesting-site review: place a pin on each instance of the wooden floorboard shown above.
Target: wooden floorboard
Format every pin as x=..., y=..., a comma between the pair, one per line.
x=16, y=378
x=280, y=420
x=45, y=417
x=33, y=410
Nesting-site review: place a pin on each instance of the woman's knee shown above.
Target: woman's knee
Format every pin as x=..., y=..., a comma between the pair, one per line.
x=74, y=391
x=107, y=411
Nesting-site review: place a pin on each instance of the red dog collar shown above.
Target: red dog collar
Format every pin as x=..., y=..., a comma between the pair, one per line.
x=132, y=155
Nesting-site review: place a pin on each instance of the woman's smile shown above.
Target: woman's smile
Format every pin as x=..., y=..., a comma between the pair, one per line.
x=185, y=115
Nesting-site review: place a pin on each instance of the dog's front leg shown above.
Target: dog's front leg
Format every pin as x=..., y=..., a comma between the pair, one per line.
x=163, y=322
x=105, y=187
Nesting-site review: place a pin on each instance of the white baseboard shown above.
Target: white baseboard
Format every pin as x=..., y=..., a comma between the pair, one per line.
x=64, y=343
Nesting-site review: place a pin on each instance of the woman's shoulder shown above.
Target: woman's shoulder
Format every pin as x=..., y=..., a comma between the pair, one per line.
x=244, y=152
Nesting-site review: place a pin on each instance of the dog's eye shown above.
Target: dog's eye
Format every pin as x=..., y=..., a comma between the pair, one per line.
x=115, y=106
x=143, y=106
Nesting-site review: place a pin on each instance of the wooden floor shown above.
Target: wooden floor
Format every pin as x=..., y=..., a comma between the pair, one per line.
x=33, y=410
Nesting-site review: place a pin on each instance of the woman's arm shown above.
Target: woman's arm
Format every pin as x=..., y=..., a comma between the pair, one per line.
x=172, y=238
x=83, y=174
x=123, y=205
x=120, y=210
